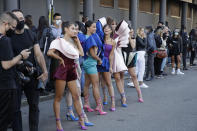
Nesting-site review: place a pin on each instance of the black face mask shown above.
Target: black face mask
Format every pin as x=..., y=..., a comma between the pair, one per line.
x=10, y=32
x=20, y=25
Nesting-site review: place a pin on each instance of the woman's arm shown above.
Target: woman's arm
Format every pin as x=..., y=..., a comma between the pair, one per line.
x=79, y=47
x=92, y=53
x=52, y=53
x=111, y=56
x=132, y=43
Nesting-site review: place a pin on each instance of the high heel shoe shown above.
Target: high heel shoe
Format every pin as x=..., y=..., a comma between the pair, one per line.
x=99, y=107
x=140, y=100
x=123, y=96
x=86, y=106
x=71, y=117
x=88, y=109
x=81, y=121
x=105, y=103
x=100, y=112
x=112, y=103
x=58, y=119
x=89, y=124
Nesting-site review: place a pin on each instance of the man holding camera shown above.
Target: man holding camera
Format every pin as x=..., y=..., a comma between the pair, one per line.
x=8, y=88
x=21, y=39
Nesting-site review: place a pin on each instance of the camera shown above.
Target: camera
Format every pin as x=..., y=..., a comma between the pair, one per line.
x=25, y=72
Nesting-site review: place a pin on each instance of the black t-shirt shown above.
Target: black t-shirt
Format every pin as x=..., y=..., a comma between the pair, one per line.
x=6, y=53
x=24, y=41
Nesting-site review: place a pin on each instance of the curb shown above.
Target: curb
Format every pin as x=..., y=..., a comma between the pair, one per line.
x=52, y=95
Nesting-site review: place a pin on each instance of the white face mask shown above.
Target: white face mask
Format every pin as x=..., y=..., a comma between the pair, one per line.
x=58, y=22
x=176, y=33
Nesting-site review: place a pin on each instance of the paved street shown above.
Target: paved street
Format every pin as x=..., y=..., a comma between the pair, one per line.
x=170, y=105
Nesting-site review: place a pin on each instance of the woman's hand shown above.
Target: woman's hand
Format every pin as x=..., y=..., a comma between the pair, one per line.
x=61, y=61
x=76, y=39
x=99, y=62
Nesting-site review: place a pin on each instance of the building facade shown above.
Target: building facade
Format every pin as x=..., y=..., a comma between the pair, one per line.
x=141, y=12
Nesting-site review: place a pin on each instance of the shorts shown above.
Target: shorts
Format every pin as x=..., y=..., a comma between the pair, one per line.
x=67, y=73
x=89, y=66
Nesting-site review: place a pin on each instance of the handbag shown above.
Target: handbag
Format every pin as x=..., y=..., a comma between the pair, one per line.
x=161, y=53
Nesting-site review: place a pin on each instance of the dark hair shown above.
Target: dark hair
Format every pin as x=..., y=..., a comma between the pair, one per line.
x=17, y=10
x=28, y=21
x=107, y=25
x=56, y=14
x=66, y=24
x=160, y=22
x=43, y=23
x=84, y=18
x=87, y=25
x=81, y=26
x=150, y=28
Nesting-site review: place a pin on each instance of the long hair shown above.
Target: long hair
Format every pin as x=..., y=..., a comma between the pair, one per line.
x=43, y=23
x=138, y=32
x=66, y=24
x=111, y=30
x=87, y=25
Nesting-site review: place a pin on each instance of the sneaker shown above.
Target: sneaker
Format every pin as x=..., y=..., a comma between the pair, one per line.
x=130, y=84
x=173, y=71
x=144, y=86
x=179, y=72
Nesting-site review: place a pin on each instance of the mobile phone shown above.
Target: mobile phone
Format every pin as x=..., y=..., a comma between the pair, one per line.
x=30, y=48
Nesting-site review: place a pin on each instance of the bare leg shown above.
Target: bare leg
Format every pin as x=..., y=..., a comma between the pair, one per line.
x=103, y=85
x=72, y=85
x=96, y=93
x=86, y=93
x=107, y=77
x=135, y=81
x=59, y=91
x=119, y=85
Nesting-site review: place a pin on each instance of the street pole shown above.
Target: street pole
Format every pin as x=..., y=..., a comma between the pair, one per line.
x=133, y=7
x=162, y=12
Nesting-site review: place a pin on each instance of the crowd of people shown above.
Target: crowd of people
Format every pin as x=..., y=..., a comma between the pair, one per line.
x=75, y=56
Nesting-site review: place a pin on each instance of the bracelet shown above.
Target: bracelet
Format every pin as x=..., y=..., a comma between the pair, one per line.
x=21, y=56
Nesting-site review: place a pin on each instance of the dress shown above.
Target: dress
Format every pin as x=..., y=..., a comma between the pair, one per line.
x=130, y=57
x=105, y=61
x=90, y=64
x=118, y=62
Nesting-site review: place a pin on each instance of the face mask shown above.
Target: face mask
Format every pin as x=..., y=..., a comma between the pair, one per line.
x=176, y=33
x=58, y=22
x=10, y=32
x=20, y=25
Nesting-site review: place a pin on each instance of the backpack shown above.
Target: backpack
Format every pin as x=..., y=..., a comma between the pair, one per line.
x=46, y=39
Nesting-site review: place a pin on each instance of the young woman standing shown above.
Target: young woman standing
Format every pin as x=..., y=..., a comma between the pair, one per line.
x=62, y=50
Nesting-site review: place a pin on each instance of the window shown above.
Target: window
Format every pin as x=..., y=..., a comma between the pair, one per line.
x=157, y=6
x=107, y=3
x=145, y=5
x=123, y=4
x=175, y=8
x=189, y=12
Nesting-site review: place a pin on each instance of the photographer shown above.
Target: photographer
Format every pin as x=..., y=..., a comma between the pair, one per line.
x=21, y=39
x=8, y=89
